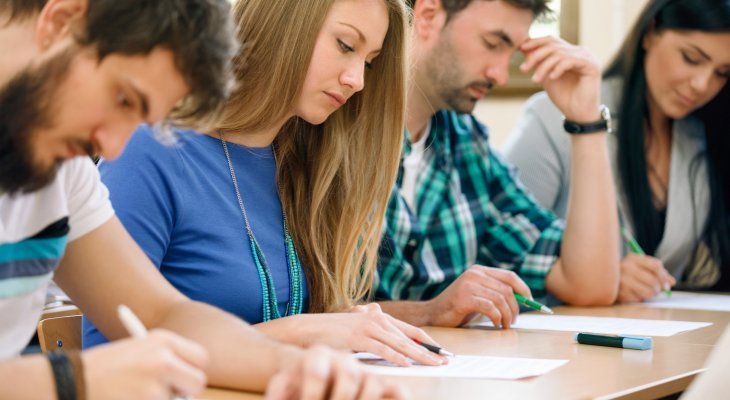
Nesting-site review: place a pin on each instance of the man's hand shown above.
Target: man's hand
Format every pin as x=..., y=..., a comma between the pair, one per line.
x=479, y=290
x=642, y=277
x=156, y=367
x=321, y=373
x=570, y=74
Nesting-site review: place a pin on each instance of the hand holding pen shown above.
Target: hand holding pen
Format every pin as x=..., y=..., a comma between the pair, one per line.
x=172, y=363
x=479, y=290
x=642, y=276
x=531, y=303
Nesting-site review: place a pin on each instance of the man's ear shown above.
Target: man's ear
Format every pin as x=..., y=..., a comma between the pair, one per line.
x=429, y=17
x=58, y=19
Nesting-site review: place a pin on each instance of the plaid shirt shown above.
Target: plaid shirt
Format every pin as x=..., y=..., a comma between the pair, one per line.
x=470, y=210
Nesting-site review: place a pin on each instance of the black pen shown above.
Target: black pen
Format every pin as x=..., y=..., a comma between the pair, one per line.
x=436, y=349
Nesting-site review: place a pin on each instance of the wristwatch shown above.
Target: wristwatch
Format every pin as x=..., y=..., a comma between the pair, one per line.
x=603, y=124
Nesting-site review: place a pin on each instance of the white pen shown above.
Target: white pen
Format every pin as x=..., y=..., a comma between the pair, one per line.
x=134, y=326
x=136, y=329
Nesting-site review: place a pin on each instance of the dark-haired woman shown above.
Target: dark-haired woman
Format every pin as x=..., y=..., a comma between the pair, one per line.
x=668, y=90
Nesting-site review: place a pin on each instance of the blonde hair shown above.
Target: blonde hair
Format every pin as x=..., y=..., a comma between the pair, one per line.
x=335, y=178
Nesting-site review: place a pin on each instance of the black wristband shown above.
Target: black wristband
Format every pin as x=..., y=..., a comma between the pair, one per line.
x=78, y=369
x=63, y=375
x=603, y=124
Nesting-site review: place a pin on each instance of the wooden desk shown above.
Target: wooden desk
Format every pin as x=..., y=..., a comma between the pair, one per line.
x=592, y=372
x=60, y=311
x=708, y=335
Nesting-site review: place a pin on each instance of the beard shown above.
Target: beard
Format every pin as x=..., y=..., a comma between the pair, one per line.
x=25, y=109
x=443, y=70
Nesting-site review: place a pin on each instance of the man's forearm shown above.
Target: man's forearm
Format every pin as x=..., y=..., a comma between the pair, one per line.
x=26, y=378
x=589, y=253
x=240, y=356
x=416, y=313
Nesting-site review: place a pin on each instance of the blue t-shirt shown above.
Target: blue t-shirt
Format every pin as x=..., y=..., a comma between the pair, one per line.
x=178, y=202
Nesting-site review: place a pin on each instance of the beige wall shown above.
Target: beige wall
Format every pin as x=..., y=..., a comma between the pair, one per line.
x=603, y=24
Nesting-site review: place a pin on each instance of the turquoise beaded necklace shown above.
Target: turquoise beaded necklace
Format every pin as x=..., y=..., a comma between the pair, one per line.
x=270, y=304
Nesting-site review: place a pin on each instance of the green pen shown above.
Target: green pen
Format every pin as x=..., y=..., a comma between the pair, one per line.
x=636, y=249
x=533, y=304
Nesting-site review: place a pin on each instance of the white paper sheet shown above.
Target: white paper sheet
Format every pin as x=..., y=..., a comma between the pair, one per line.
x=463, y=366
x=691, y=301
x=604, y=325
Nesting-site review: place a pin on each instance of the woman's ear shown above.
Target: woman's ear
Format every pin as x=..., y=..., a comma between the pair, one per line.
x=57, y=20
x=649, y=36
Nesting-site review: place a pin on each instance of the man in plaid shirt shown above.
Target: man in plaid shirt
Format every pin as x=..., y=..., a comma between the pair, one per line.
x=462, y=233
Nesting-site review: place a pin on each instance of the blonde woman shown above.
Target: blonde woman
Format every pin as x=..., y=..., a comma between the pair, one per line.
x=275, y=215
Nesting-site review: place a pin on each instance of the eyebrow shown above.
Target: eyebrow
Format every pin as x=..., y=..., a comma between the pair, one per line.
x=359, y=32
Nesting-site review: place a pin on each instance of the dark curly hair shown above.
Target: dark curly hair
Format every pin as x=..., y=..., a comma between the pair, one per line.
x=198, y=32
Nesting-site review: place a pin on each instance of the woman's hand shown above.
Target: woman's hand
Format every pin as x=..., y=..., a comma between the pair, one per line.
x=368, y=328
x=642, y=277
x=364, y=328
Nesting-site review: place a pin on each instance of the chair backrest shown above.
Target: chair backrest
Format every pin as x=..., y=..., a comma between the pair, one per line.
x=60, y=333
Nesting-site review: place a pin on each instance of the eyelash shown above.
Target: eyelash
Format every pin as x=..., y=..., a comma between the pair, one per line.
x=490, y=46
x=123, y=100
x=346, y=48
x=689, y=60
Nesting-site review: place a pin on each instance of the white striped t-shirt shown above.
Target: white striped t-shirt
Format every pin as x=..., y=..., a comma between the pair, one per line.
x=34, y=231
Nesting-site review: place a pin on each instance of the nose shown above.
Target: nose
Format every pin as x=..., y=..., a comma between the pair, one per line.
x=354, y=76
x=112, y=138
x=498, y=70
x=702, y=80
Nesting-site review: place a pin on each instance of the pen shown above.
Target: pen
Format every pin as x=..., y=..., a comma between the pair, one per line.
x=131, y=323
x=136, y=329
x=533, y=304
x=436, y=349
x=636, y=249
x=624, y=342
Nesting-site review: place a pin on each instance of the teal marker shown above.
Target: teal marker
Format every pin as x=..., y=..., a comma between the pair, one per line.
x=533, y=304
x=636, y=249
x=624, y=342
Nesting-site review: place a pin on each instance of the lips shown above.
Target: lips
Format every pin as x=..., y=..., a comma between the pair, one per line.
x=687, y=101
x=477, y=92
x=339, y=100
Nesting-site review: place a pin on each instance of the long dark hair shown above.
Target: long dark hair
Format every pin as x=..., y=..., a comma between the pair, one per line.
x=691, y=15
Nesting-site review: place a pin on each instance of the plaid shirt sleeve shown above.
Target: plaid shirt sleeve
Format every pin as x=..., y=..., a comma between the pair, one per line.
x=471, y=210
x=394, y=272
x=520, y=235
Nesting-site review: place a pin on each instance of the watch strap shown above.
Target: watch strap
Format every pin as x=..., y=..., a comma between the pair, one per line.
x=603, y=124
